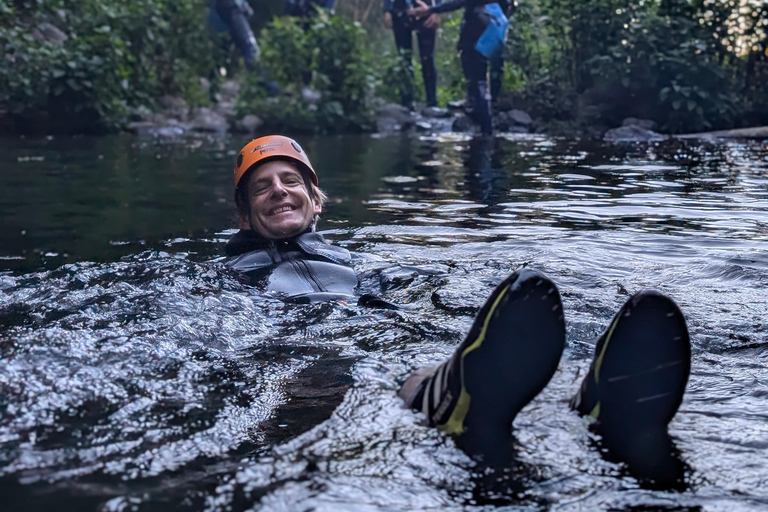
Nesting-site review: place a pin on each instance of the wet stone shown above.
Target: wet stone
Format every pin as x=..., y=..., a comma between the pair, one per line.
x=632, y=134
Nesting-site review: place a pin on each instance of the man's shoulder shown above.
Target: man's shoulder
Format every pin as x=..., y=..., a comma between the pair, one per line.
x=316, y=244
x=244, y=241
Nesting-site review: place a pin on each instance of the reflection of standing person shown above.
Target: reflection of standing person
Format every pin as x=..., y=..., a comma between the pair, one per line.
x=396, y=18
x=477, y=18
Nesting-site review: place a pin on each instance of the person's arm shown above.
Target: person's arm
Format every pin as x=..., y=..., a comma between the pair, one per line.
x=388, y=13
x=424, y=10
x=433, y=20
x=451, y=5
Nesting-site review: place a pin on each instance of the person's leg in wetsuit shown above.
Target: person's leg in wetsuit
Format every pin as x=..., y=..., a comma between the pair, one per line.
x=496, y=75
x=475, y=67
x=631, y=392
x=426, y=38
x=497, y=61
x=235, y=15
x=401, y=27
x=232, y=13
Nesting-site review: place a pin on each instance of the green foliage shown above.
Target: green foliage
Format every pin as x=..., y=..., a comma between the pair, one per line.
x=660, y=67
x=673, y=61
x=103, y=58
x=689, y=65
x=450, y=77
x=327, y=54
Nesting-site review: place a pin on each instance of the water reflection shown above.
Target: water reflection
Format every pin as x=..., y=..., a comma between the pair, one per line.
x=651, y=457
x=135, y=372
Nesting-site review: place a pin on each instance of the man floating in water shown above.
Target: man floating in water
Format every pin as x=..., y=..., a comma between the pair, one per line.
x=632, y=390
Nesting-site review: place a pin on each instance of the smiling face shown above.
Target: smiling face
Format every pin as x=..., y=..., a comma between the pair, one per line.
x=280, y=206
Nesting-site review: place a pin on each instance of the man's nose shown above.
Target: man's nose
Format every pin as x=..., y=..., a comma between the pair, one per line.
x=278, y=189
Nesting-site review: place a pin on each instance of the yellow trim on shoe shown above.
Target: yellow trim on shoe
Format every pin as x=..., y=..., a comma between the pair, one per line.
x=599, y=360
x=595, y=412
x=455, y=423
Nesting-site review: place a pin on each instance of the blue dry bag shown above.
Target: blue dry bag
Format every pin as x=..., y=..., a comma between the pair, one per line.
x=491, y=41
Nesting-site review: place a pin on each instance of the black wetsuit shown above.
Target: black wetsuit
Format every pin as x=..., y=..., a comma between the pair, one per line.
x=473, y=63
x=303, y=269
x=235, y=14
x=402, y=26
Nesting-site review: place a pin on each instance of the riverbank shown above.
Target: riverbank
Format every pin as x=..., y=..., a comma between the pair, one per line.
x=92, y=67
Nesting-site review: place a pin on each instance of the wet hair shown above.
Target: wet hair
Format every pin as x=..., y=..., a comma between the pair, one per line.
x=241, y=193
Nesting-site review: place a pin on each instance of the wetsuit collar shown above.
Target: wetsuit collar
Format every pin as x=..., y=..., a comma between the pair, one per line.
x=247, y=240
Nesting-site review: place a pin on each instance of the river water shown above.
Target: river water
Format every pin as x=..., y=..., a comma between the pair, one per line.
x=137, y=374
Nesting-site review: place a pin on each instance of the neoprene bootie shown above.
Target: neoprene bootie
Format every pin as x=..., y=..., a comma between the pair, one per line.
x=640, y=368
x=509, y=355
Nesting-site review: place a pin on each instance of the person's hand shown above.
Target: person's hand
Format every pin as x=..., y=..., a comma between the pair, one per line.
x=388, y=19
x=432, y=21
x=420, y=11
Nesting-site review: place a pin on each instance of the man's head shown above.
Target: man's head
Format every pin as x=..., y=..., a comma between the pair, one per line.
x=276, y=188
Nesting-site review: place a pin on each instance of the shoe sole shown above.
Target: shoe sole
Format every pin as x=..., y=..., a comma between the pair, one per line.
x=519, y=336
x=643, y=367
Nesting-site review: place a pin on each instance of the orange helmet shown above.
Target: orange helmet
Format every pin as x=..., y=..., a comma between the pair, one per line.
x=268, y=148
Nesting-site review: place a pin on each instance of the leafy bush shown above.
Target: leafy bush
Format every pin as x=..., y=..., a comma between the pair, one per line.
x=661, y=68
x=326, y=54
x=674, y=61
x=104, y=57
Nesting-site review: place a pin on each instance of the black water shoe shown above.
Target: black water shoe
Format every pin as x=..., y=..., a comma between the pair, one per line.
x=641, y=366
x=509, y=355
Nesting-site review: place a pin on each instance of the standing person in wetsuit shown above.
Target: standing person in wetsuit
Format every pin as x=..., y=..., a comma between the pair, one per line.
x=632, y=390
x=402, y=25
x=473, y=63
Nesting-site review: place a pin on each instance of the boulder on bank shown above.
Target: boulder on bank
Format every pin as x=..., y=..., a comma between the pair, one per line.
x=392, y=117
x=519, y=117
x=435, y=112
x=248, y=124
x=204, y=119
x=173, y=107
x=512, y=121
x=646, y=124
x=632, y=134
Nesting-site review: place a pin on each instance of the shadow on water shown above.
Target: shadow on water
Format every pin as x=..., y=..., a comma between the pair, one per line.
x=652, y=458
x=137, y=374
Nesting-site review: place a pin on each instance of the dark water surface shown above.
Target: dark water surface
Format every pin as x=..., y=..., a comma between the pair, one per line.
x=137, y=374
